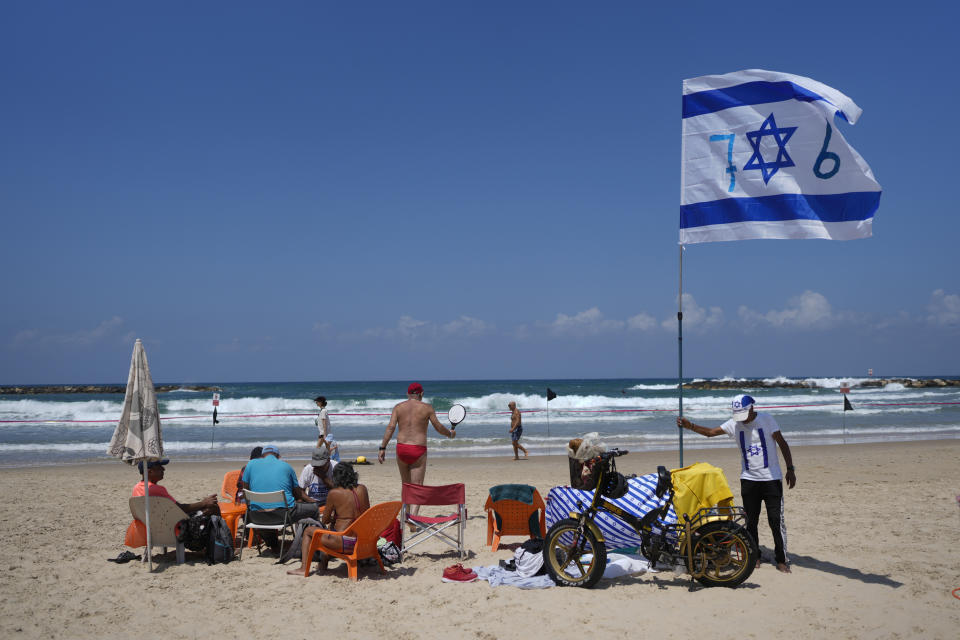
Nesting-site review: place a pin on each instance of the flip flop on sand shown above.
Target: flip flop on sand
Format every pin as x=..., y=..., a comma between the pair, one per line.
x=124, y=557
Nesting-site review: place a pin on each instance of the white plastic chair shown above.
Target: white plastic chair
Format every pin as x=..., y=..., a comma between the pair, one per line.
x=276, y=519
x=164, y=516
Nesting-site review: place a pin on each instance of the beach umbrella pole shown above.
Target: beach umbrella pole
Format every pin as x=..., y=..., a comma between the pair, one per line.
x=146, y=492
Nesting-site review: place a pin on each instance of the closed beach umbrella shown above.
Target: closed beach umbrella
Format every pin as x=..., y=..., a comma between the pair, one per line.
x=137, y=437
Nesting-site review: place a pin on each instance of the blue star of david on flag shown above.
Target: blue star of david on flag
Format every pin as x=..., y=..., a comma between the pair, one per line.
x=781, y=136
x=733, y=148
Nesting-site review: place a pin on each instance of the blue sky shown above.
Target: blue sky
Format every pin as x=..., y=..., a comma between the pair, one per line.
x=334, y=191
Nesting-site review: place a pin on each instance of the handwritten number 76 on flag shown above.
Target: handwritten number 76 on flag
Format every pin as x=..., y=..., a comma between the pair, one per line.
x=731, y=168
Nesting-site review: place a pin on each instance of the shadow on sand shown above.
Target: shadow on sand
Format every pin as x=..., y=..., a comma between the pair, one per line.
x=808, y=562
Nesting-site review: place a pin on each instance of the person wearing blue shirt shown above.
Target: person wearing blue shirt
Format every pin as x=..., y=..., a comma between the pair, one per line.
x=270, y=473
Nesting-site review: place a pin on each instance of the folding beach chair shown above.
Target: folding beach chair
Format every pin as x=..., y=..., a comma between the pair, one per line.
x=447, y=528
x=510, y=514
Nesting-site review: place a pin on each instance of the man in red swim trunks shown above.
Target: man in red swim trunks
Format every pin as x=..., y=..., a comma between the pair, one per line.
x=412, y=416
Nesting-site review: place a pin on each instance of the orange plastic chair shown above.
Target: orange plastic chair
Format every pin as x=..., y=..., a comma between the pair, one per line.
x=228, y=491
x=366, y=529
x=512, y=518
x=230, y=509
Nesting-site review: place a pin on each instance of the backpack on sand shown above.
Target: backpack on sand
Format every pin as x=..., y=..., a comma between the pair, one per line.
x=194, y=532
x=219, y=541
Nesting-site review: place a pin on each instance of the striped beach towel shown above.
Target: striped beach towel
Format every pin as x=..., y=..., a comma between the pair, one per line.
x=639, y=500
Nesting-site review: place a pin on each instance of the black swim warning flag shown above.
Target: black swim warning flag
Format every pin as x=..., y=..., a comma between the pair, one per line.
x=550, y=394
x=846, y=404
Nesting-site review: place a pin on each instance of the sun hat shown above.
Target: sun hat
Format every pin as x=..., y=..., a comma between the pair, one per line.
x=741, y=407
x=153, y=463
x=414, y=388
x=320, y=457
x=271, y=448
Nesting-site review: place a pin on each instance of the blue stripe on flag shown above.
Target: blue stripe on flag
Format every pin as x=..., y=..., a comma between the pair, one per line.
x=834, y=207
x=760, y=92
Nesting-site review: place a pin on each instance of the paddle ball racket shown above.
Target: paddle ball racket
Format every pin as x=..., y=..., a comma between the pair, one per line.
x=456, y=415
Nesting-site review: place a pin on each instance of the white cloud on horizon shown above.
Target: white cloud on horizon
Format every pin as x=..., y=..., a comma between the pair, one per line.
x=695, y=317
x=944, y=309
x=466, y=326
x=641, y=322
x=809, y=310
x=107, y=329
x=409, y=328
x=590, y=322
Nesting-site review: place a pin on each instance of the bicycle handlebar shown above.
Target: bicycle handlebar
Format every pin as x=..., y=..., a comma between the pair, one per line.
x=613, y=453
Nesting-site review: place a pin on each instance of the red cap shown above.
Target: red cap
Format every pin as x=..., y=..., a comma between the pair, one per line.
x=414, y=388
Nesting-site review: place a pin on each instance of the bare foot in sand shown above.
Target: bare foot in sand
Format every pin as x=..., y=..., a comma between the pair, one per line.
x=783, y=567
x=294, y=572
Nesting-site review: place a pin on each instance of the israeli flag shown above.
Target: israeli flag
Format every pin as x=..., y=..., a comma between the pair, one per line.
x=762, y=158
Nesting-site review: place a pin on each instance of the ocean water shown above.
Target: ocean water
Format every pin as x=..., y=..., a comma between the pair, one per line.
x=636, y=414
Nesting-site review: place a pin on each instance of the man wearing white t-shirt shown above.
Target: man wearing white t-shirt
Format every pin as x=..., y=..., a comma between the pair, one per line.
x=316, y=479
x=760, y=476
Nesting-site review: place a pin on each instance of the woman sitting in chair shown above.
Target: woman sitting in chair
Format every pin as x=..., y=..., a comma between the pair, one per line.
x=345, y=502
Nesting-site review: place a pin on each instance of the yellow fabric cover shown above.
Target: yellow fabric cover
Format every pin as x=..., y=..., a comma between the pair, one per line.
x=698, y=486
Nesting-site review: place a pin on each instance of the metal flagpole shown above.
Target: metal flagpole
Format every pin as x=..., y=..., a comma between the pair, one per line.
x=549, y=447
x=680, y=351
x=844, y=422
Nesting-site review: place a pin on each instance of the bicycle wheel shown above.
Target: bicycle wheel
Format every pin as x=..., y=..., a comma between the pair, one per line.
x=724, y=553
x=573, y=555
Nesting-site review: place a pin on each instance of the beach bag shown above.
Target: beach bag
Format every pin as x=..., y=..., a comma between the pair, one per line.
x=219, y=541
x=194, y=532
x=528, y=558
x=389, y=553
x=393, y=533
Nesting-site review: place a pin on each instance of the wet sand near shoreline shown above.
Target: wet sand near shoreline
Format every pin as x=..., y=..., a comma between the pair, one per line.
x=871, y=534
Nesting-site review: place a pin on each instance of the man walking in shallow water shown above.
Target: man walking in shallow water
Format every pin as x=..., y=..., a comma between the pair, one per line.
x=516, y=430
x=412, y=417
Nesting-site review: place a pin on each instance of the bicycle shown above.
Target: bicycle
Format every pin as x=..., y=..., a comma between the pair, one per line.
x=713, y=545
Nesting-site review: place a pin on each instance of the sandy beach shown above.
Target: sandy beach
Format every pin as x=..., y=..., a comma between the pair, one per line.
x=872, y=538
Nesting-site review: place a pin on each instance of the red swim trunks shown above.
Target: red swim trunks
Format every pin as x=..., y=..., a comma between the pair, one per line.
x=410, y=453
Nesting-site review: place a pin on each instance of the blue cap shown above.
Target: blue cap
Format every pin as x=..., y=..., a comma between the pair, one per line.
x=741, y=407
x=152, y=464
x=271, y=448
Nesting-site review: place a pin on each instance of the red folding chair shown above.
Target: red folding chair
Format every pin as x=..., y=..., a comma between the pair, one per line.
x=449, y=529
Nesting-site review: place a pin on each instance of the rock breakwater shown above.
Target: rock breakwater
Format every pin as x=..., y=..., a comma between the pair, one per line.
x=30, y=390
